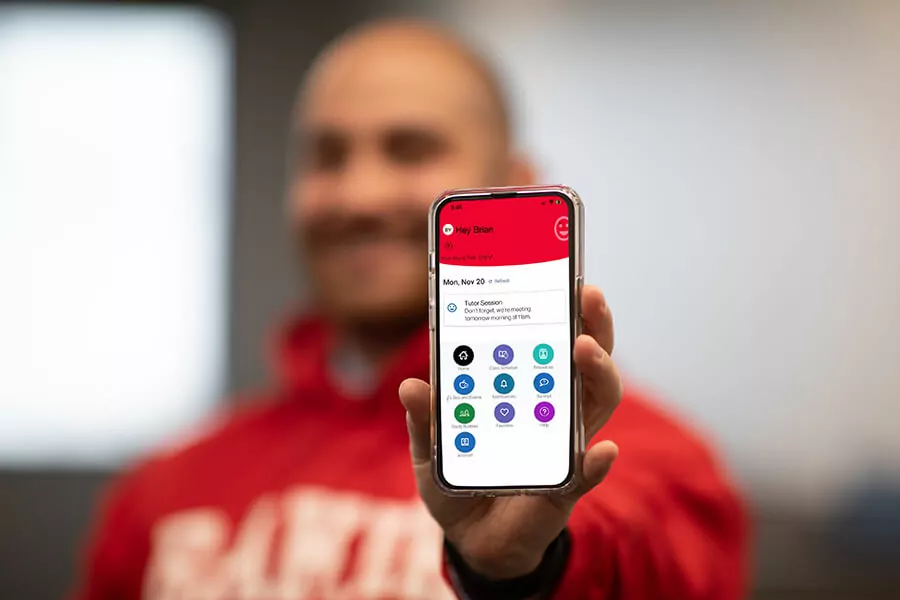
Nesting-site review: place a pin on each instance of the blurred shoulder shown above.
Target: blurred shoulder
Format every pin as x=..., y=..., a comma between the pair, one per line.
x=239, y=417
x=222, y=433
x=646, y=425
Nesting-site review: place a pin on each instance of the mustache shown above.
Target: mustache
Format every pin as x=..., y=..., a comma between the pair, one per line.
x=344, y=229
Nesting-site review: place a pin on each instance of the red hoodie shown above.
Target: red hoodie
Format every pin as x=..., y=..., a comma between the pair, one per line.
x=309, y=494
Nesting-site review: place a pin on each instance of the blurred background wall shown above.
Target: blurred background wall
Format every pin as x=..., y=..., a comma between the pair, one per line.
x=739, y=164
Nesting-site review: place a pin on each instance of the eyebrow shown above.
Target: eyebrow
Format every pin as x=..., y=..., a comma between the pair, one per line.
x=421, y=131
x=303, y=135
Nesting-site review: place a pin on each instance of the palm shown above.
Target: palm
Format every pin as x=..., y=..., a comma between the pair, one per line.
x=507, y=536
x=485, y=525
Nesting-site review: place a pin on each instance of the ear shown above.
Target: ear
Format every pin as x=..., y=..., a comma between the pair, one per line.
x=521, y=171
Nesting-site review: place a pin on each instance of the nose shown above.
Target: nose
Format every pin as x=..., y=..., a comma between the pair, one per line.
x=367, y=183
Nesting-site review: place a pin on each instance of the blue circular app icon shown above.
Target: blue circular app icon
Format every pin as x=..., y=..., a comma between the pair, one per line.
x=504, y=383
x=543, y=383
x=465, y=442
x=503, y=354
x=463, y=384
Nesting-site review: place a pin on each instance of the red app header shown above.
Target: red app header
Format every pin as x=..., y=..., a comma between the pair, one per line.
x=503, y=231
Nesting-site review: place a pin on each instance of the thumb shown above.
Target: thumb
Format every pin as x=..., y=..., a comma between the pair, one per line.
x=415, y=395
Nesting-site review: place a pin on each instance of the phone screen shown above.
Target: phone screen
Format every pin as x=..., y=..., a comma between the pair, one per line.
x=504, y=280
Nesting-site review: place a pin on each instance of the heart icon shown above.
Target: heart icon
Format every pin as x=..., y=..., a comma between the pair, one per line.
x=504, y=412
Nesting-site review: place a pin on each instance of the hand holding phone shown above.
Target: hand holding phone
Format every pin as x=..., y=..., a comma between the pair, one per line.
x=504, y=415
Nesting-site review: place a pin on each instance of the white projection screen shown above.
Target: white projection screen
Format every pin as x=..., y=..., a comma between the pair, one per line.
x=115, y=149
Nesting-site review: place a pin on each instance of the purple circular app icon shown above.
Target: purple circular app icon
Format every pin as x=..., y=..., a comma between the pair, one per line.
x=544, y=412
x=504, y=412
x=503, y=354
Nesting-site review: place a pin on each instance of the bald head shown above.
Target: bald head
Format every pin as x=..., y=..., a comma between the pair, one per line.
x=390, y=115
x=388, y=48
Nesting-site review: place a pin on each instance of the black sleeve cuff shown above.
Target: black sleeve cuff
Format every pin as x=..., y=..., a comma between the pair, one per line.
x=540, y=583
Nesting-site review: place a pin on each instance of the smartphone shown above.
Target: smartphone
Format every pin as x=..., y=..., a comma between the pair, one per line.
x=505, y=277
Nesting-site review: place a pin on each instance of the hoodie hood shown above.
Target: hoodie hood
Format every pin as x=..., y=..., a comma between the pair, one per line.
x=301, y=353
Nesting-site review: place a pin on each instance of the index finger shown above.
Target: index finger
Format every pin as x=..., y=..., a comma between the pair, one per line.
x=601, y=384
x=596, y=318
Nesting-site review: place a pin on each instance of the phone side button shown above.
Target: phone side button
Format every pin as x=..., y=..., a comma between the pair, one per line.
x=579, y=285
x=431, y=294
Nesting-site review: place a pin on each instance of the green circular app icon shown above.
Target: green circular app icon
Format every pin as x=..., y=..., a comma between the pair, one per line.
x=543, y=354
x=464, y=413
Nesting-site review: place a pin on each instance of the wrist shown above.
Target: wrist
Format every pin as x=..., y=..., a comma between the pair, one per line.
x=507, y=566
x=515, y=577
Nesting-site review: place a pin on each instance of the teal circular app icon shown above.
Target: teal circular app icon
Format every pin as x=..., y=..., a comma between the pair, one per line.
x=504, y=383
x=543, y=354
x=465, y=442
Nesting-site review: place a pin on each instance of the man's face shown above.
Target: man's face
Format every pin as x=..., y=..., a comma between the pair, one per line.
x=381, y=132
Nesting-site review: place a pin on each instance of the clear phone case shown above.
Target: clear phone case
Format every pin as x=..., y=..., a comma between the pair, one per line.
x=577, y=433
